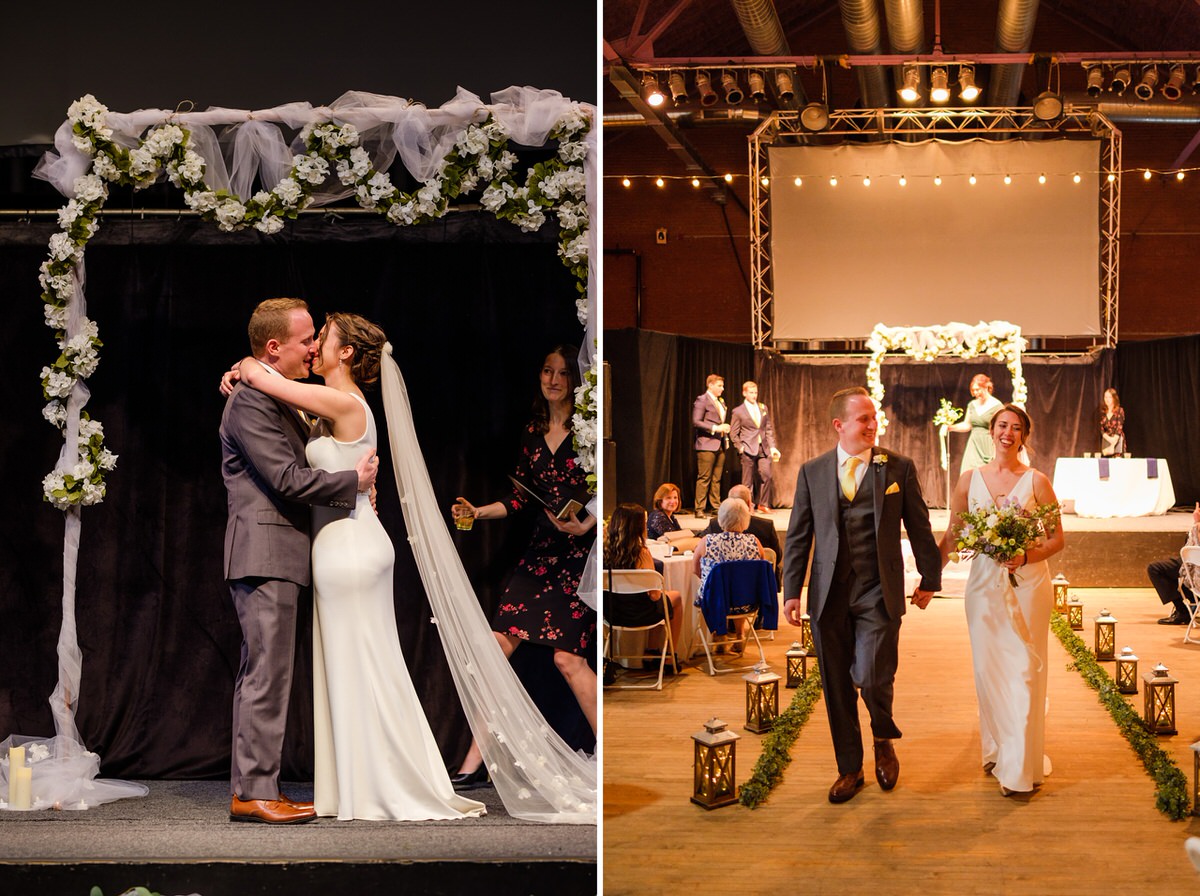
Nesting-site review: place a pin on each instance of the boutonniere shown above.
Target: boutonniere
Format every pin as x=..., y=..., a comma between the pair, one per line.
x=880, y=459
x=762, y=408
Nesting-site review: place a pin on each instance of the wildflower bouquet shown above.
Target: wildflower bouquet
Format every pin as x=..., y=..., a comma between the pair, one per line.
x=1003, y=532
x=947, y=414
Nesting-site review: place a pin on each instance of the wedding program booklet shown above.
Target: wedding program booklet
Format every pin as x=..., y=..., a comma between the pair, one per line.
x=572, y=506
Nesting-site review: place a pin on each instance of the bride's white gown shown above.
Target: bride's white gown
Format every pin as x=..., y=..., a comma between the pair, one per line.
x=1008, y=629
x=375, y=755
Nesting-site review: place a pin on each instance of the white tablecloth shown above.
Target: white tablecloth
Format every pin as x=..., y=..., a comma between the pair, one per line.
x=1126, y=492
x=677, y=574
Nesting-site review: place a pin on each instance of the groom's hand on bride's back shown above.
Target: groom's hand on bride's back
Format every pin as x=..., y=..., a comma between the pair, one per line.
x=366, y=468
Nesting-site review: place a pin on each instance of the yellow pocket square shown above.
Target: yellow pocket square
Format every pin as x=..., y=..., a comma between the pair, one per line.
x=893, y=489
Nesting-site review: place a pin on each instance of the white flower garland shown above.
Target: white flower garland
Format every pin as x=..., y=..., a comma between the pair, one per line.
x=480, y=157
x=998, y=339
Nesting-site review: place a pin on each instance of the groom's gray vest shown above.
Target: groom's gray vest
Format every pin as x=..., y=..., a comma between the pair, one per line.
x=856, y=539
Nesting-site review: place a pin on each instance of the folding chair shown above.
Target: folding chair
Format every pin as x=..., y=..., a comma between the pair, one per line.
x=743, y=592
x=1190, y=574
x=638, y=581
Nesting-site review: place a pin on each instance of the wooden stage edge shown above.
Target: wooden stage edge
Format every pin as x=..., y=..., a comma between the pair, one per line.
x=1100, y=553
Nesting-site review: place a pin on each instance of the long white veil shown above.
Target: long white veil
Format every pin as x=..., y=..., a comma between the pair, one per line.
x=538, y=777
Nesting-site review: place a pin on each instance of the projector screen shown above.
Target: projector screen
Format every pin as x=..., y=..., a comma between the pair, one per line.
x=844, y=258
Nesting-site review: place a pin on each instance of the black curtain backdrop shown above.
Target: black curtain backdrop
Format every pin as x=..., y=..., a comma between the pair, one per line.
x=470, y=304
x=655, y=377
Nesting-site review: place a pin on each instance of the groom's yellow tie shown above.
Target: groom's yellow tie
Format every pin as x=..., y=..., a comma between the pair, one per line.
x=849, y=480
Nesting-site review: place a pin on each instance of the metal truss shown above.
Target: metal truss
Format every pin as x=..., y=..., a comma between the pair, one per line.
x=784, y=126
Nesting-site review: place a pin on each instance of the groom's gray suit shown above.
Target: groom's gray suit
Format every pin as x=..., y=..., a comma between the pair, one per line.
x=267, y=562
x=856, y=587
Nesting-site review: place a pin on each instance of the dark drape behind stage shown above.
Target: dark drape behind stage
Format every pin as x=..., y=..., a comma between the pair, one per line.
x=655, y=379
x=656, y=376
x=470, y=305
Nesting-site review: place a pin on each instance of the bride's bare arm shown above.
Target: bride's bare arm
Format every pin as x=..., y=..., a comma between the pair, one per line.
x=348, y=417
x=958, y=503
x=1043, y=493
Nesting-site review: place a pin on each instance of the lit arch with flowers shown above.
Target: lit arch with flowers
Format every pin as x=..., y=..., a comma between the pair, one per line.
x=997, y=339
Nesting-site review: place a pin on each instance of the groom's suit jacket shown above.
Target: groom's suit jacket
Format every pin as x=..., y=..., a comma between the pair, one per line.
x=814, y=530
x=269, y=488
x=749, y=437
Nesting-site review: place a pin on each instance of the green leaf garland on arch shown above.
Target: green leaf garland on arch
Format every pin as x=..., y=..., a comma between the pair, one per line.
x=480, y=160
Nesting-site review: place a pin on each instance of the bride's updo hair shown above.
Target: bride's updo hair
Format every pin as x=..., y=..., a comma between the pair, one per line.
x=1026, y=423
x=366, y=339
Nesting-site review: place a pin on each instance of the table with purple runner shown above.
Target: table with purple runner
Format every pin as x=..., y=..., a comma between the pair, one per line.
x=1114, y=486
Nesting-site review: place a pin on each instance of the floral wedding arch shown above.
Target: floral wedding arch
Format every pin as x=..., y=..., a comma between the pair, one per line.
x=998, y=339
x=463, y=148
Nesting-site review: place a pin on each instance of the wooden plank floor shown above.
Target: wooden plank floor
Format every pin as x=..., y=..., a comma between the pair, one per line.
x=1091, y=828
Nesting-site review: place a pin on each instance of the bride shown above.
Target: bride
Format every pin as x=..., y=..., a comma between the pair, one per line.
x=1008, y=625
x=375, y=755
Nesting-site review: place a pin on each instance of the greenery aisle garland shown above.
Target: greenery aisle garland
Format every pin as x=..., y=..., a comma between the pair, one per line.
x=1171, y=796
x=776, y=746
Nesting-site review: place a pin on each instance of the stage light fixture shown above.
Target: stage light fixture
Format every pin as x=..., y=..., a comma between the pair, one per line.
x=939, y=89
x=704, y=87
x=784, y=86
x=1048, y=106
x=815, y=116
x=758, y=87
x=968, y=92
x=1095, y=80
x=910, y=91
x=1145, y=87
x=650, y=90
x=1120, y=80
x=678, y=89
x=733, y=93
x=1173, y=89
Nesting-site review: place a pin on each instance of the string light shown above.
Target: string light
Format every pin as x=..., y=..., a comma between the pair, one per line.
x=866, y=181
x=1179, y=175
x=1007, y=179
x=937, y=180
x=1146, y=174
x=799, y=182
x=660, y=182
x=728, y=178
x=1041, y=178
x=1076, y=177
x=1110, y=176
x=833, y=181
x=626, y=182
x=971, y=180
x=903, y=181
x=766, y=182
x=695, y=182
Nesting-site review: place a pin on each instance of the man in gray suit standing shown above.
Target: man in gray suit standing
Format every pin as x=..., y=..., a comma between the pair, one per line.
x=754, y=438
x=267, y=552
x=847, y=513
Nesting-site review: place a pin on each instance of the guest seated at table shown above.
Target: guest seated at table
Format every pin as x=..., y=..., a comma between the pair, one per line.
x=662, y=522
x=760, y=527
x=1172, y=581
x=1112, y=425
x=733, y=542
x=625, y=548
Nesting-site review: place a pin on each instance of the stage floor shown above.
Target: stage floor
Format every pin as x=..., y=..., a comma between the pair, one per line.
x=179, y=839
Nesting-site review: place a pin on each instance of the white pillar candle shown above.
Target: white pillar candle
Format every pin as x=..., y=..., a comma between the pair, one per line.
x=23, y=798
x=16, y=759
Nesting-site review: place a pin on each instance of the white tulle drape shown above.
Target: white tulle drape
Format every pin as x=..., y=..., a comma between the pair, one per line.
x=537, y=775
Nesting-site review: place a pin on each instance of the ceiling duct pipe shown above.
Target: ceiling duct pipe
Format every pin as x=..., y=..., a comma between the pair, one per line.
x=1014, y=34
x=860, y=20
x=906, y=34
x=760, y=23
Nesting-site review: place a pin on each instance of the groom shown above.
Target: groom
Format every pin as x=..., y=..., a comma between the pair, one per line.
x=847, y=512
x=269, y=488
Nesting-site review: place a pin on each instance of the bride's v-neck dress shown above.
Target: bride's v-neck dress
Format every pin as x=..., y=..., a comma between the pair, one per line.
x=1008, y=628
x=375, y=755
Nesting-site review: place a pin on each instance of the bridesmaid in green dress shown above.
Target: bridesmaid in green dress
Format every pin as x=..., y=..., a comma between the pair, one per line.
x=980, y=411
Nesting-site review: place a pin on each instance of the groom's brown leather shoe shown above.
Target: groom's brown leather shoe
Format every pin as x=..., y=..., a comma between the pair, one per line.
x=887, y=766
x=846, y=786
x=268, y=812
x=305, y=807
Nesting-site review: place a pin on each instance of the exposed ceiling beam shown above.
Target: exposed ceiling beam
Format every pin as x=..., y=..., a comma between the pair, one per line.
x=630, y=89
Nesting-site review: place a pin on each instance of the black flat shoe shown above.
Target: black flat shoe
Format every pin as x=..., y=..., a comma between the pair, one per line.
x=1176, y=618
x=470, y=780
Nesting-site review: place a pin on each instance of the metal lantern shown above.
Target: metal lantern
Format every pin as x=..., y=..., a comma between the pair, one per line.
x=1127, y=671
x=797, y=665
x=1196, y=778
x=1159, y=713
x=1106, y=636
x=762, y=698
x=1060, y=593
x=713, y=766
x=1075, y=614
x=806, y=639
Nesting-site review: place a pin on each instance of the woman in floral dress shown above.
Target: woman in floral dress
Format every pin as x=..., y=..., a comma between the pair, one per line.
x=541, y=604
